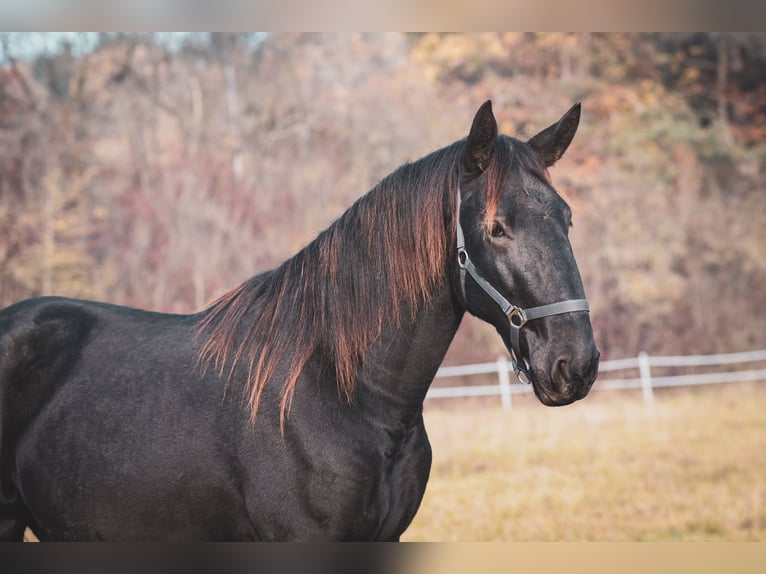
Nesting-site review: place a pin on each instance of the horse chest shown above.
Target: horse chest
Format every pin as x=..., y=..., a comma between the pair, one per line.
x=340, y=493
x=406, y=482
x=393, y=492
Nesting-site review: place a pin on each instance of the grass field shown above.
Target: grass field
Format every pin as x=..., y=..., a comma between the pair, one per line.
x=691, y=466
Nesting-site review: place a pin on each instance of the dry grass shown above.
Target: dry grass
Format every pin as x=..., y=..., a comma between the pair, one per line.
x=692, y=466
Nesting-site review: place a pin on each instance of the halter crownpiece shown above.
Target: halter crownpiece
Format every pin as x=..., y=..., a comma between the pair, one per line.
x=517, y=317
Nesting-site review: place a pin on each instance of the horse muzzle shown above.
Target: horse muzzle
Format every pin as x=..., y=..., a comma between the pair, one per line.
x=569, y=379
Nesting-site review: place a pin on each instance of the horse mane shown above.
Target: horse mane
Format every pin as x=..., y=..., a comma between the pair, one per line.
x=379, y=261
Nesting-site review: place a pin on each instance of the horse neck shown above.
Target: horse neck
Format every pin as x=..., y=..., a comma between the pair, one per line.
x=398, y=369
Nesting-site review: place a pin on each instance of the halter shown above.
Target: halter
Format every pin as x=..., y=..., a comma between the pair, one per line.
x=517, y=317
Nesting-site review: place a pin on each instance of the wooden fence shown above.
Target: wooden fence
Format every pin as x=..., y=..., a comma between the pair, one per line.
x=641, y=365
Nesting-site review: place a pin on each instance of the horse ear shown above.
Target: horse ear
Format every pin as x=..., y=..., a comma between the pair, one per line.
x=481, y=140
x=551, y=143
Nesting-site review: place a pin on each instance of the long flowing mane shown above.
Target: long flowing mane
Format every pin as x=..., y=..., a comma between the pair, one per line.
x=378, y=262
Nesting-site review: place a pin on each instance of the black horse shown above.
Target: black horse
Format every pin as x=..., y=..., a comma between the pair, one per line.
x=291, y=408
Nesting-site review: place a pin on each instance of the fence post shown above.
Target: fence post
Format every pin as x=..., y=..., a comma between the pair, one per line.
x=646, y=377
x=504, y=382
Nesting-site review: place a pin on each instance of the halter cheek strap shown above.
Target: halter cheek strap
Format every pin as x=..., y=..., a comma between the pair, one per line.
x=517, y=317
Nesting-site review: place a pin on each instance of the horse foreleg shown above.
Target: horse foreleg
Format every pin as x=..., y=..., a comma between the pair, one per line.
x=13, y=522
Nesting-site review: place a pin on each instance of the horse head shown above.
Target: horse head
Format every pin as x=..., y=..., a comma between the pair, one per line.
x=515, y=265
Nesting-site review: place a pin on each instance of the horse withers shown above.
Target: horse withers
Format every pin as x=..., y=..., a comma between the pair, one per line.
x=291, y=408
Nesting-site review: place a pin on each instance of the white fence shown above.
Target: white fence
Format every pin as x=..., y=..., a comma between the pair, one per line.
x=643, y=363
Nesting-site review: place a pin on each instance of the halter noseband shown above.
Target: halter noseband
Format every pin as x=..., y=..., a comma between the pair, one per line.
x=517, y=317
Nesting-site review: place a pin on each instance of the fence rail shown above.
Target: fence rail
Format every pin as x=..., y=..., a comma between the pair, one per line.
x=643, y=363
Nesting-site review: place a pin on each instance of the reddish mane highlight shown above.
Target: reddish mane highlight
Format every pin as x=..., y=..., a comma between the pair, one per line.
x=378, y=263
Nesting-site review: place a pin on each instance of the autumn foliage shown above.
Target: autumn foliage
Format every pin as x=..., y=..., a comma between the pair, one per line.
x=161, y=178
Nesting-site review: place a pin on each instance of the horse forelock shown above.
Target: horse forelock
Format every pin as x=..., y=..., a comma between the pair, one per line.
x=511, y=157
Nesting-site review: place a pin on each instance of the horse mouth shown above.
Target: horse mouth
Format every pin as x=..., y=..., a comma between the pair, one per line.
x=553, y=399
x=548, y=395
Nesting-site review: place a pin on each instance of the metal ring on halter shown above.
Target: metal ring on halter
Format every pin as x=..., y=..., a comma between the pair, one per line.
x=518, y=369
x=523, y=377
x=517, y=318
x=462, y=257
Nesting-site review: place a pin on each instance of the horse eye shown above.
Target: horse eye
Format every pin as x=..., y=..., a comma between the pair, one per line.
x=497, y=230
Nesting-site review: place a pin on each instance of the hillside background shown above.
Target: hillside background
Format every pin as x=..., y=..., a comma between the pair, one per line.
x=160, y=176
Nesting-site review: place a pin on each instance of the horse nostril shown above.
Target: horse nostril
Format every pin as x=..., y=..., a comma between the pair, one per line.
x=561, y=374
x=575, y=371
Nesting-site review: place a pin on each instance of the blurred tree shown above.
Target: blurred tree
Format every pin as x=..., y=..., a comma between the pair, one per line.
x=159, y=174
x=45, y=212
